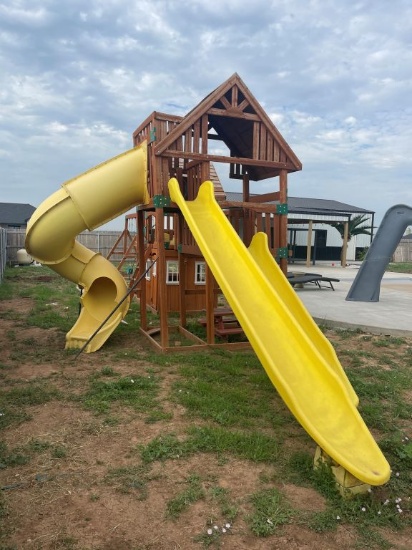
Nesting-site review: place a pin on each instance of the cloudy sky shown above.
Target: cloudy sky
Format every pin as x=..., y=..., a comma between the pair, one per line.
x=335, y=76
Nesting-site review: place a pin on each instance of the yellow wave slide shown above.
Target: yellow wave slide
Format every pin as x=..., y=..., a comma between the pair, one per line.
x=86, y=202
x=304, y=370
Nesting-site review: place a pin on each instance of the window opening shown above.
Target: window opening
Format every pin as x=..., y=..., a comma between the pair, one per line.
x=172, y=273
x=200, y=273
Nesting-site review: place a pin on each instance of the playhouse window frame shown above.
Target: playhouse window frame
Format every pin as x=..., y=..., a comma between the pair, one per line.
x=172, y=272
x=200, y=273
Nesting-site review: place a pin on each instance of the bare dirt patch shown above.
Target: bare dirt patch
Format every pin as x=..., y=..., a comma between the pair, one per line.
x=83, y=491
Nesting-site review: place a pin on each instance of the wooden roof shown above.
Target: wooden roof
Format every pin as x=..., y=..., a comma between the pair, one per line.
x=235, y=117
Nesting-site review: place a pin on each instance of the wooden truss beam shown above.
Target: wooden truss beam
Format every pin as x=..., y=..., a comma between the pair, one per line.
x=231, y=160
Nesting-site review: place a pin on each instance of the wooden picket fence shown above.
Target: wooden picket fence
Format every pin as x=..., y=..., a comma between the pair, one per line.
x=403, y=252
x=3, y=251
x=98, y=241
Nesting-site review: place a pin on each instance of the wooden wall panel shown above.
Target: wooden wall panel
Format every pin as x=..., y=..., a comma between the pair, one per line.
x=262, y=142
x=256, y=135
x=188, y=141
x=196, y=137
x=204, y=132
x=270, y=150
x=161, y=129
x=259, y=222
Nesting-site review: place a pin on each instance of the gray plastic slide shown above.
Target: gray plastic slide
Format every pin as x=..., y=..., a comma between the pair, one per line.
x=367, y=284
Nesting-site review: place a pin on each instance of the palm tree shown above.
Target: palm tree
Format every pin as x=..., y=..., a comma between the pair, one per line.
x=355, y=227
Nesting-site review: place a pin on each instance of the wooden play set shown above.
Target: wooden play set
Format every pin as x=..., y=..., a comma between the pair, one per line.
x=228, y=126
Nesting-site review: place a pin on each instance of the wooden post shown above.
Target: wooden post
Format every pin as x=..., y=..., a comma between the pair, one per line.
x=210, y=304
x=309, y=243
x=161, y=274
x=345, y=243
x=142, y=267
x=246, y=192
x=178, y=236
x=182, y=288
x=283, y=222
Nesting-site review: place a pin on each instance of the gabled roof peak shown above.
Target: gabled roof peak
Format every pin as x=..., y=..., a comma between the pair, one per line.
x=238, y=120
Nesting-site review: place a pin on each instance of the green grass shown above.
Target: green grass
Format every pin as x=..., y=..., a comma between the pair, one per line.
x=228, y=509
x=216, y=406
x=6, y=289
x=14, y=401
x=23, y=454
x=213, y=396
x=270, y=510
x=256, y=447
x=192, y=492
x=136, y=391
x=55, y=301
x=400, y=267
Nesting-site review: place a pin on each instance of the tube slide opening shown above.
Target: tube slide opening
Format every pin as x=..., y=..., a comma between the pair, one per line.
x=100, y=297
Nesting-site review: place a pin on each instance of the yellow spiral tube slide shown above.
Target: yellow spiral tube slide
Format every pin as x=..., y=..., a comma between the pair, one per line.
x=86, y=202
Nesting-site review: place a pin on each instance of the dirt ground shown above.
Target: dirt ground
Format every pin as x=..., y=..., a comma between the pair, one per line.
x=70, y=501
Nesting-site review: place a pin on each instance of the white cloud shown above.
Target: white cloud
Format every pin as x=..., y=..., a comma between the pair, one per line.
x=76, y=79
x=15, y=11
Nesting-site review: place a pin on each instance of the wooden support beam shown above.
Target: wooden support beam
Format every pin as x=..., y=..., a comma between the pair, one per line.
x=210, y=304
x=161, y=274
x=345, y=243
x=225, y=102
x=309, y=243
x=235, y=95
x=204, y=134
x=283, y=221
x=182, y=287
x=266, y=197
x=256, y=135
x=142, y=267
x=268, y=208
x=234, y=113
x=230, y=160
x=246, y=189
x=242, y=106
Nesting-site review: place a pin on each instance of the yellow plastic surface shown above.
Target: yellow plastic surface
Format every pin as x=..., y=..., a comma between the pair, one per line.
x=260, y=252
x=315, y=391
x=86, y=202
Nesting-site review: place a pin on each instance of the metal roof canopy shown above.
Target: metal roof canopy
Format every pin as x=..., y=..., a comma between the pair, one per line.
x=308, y=208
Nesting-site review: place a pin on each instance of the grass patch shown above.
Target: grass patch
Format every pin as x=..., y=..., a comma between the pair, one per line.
x=6, y=289
x=191, y=493
x=55, y=300
x=270, y=511
x=228, y=389
x=219, y=403
x=12, y=457
x=129, y=480
x=252, y=446
x=379, y=508
x=23, y=454
x=136, y=391
x=401, y=267
x=14, y=401
x=32, y=393
x=228, y=509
